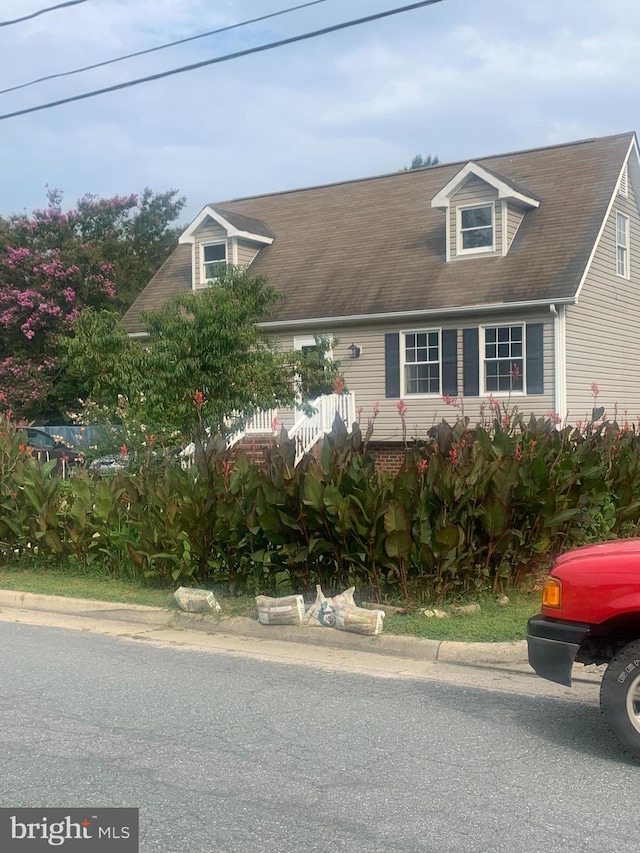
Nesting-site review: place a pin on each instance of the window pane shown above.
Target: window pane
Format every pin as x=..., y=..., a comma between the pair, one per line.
x=215, y=253
x=621, y=229
x=479, y=238
x=422, y=379
x=504, y=358
x=213, y=270
x=422, y=362
x=476, y=217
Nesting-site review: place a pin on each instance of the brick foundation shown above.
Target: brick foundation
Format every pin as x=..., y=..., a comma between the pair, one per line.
x=388, y=456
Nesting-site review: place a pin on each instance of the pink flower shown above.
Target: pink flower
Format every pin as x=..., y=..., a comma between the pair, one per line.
x=555, y=417
x=338, y=385
x=453, y=456
x=274, y=425
x=422, y=467
x=402, y=408
x=595, y=390
x=198, y=400
x=449, y=401
x=376, y=409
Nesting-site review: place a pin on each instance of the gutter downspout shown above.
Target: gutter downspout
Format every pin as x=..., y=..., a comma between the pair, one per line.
x=560, y=359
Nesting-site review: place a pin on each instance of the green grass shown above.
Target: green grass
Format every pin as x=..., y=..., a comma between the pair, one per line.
x=48, y=581
x=494, y=623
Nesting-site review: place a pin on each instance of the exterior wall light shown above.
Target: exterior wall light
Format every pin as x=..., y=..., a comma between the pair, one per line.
x=354, y=351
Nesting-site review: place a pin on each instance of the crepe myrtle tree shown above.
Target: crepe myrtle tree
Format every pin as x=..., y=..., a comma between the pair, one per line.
x=208, y=342
x=54, y=264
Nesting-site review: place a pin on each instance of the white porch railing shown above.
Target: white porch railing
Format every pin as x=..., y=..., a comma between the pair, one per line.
x=309, y=429
x=264, y=422
x=306, y=431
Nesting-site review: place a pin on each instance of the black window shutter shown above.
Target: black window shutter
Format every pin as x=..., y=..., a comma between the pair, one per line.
x=535, y=359
x=471, y=362
x=392, y=364
x=450, y=362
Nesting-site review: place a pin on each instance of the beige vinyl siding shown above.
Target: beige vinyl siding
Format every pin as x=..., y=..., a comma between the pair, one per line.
x=603, y=329
x=515, y=215
x=474, y=191
x=365, y=376
x=210, y=232
x=246, y=252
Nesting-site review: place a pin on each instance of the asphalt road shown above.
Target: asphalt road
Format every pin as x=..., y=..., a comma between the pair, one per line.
x=223, y=753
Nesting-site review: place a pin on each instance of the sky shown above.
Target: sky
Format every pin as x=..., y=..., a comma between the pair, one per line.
x=459, y=79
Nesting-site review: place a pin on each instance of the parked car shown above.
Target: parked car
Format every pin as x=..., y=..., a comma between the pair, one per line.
x=45, y=447
x=591, y=615
x=110, y=464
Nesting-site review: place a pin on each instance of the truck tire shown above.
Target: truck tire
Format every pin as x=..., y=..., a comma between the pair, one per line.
x=620, y=698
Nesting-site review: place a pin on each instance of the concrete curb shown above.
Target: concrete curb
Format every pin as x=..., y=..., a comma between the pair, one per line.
x=402, y=646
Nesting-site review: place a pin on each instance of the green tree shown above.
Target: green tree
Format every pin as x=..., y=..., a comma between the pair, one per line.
x=420, y=162
x=206, y=363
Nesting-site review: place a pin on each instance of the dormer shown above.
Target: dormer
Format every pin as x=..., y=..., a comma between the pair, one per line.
x=219, y=236
x=483, y=212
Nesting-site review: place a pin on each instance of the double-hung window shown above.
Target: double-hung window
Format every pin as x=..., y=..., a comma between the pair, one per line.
x=503, y=358
x=622, y=245
x=476, y=229
x=214, y=257
x=422, y=362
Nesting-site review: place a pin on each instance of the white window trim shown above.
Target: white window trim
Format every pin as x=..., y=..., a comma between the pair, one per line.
x=403, y=354
x=627, y=230
x=483, y=389
x=480, y=250
x=204, y=282
x=310, y=341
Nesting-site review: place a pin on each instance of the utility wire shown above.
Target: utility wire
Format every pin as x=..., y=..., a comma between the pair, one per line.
x=160, y=47
x=41, y=12
x=260, y=49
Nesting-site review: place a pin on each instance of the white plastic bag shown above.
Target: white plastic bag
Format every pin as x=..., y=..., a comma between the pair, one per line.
x=321, y=613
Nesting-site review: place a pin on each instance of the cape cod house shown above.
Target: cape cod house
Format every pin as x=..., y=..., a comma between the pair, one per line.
x=516, y=275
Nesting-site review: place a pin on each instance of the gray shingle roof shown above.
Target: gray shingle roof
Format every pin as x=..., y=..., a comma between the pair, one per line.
x=375, y=245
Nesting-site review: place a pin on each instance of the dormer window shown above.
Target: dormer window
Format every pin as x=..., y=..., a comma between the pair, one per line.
x=214, y=256
x=476, y=229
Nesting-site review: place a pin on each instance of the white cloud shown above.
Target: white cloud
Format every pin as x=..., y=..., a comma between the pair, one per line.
x=458, y=79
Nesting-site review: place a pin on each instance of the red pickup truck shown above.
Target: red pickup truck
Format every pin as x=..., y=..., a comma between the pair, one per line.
x=591, y=614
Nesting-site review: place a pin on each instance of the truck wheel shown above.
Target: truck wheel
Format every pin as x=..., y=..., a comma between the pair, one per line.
x=620, y=698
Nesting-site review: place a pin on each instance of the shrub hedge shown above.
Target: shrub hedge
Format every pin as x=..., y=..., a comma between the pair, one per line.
x=472, y=508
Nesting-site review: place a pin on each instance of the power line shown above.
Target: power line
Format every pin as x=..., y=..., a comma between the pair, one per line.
x=159, y=47
x=41, y=12
x=260, y=49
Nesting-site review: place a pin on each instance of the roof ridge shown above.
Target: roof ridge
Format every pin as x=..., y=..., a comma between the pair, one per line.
x=590, y=140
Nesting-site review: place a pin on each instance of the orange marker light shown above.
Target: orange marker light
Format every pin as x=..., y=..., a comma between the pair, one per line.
x=552, y=593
